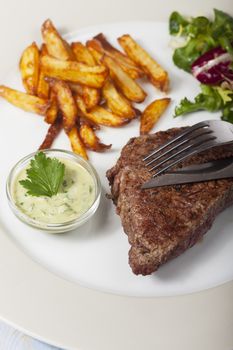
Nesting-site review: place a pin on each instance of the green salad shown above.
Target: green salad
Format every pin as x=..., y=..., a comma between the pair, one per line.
x=207, y=54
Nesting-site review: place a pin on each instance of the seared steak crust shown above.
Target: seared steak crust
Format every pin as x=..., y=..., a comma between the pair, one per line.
x=162, y=223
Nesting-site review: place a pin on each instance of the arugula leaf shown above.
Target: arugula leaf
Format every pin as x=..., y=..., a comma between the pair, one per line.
x=209, y=99
x=44, y=176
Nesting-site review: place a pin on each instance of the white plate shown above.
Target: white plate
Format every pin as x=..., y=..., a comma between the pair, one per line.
x=96, y=255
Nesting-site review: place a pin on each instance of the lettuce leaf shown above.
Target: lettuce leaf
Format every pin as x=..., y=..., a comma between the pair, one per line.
x=210, y=99
x=202, y=35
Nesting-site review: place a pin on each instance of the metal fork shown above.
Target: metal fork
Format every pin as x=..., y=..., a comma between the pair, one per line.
x=196, y=139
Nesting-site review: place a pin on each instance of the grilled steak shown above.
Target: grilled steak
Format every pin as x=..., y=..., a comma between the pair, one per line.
x=162, y=223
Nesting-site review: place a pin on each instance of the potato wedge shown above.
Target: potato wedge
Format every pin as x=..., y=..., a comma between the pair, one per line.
x=28, y=103
x=83, y=120
x=124, y=82
x=66, y=102
x=90, y=139
x=43, y=86
x=155, y=73
x=100, y=115
x=90, y=95
x=116, y=102
x=124, y=61
x=82, y=54
x=56, y=45
x=53, y=110
x=95, y=49
x=29, y=68
x=74, y=71
x=52, y=133
x=77, y=143
x=152, y=113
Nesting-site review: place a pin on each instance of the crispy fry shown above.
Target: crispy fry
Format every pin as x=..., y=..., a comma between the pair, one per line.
x=75, y=72
x=117, y=102
x=95, y=49
x=43, y=86
x=65, y=102
x=155, y=73
x=125, y=83
x=52, y=133
x=52, y=112
x=152, y=113
x=90, y=139
x=100, y=115
x=82, y=54
x=90, y=95
x=124, y=61
x=24, y=101
x=29, y=68
x=76, y=143
x=56, y=45
x=83, y=120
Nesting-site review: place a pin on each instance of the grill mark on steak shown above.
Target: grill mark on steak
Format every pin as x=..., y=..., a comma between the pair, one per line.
x=162, y=223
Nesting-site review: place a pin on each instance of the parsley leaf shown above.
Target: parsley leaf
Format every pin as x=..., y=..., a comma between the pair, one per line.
x=44, y=176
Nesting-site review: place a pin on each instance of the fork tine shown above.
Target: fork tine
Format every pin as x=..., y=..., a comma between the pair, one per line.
x=198, y=142
x=186, y=132
x=195, y=151
x=194, y=135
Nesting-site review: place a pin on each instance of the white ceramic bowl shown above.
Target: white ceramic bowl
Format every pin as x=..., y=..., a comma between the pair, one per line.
x=54, y=227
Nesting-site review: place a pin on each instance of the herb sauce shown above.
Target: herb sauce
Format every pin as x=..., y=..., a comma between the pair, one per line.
x=75, y=196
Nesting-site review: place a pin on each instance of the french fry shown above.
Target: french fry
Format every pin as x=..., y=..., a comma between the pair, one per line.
x=83, y=120
x=124, y=61
x=24, y=101
x=100, y=115
x=43, y=86
x=95, y=49
x=52, y=112
x=155, y=73
x=124, y=82
x=65, y=102
x=74, y=71
x=29, y=68
x=152, y=113
x=56, y=45
x=77, y=143
x=76, y=88
x=52, y=133
x=90, y=139
x=82, y=54
x=90, y=95
x=116, y=102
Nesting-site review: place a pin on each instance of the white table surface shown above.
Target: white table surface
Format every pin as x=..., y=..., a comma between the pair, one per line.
x=20, y=23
